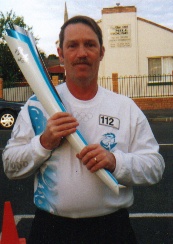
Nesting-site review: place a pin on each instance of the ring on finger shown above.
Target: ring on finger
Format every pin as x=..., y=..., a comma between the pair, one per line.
x=95, y=159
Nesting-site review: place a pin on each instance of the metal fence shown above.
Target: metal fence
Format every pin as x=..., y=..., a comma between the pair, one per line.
x=146, y=86
x=22, y=93
x=131, y=86
x=106, y=82
x=17, y=93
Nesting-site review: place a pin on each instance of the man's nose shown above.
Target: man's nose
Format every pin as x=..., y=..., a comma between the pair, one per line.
x=82, y=52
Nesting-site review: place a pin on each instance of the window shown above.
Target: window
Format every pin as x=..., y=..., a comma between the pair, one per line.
x=167, y=65
x=160, y=69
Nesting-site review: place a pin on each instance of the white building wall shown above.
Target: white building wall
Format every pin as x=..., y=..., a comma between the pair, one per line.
x=154, y=41
x=120, y=59
x=147, y=40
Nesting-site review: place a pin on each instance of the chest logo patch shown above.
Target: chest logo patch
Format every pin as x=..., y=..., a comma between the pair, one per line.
x=109, y=121
x=108, y=142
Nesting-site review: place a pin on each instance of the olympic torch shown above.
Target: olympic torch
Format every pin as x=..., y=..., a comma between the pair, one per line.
x=24, y=50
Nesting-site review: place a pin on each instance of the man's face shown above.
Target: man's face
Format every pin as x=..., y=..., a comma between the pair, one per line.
x=81, y=53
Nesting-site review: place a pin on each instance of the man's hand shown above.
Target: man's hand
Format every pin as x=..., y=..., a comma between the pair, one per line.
x=95, y=157
x=58, y=126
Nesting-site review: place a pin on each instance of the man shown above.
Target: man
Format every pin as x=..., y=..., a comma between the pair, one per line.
x=73, y=204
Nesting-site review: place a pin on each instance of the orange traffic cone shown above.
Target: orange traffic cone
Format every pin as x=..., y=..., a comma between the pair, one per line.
x=9, y=231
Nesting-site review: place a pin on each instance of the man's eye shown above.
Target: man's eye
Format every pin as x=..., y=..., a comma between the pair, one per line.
x=71, y=45
x=90, y=44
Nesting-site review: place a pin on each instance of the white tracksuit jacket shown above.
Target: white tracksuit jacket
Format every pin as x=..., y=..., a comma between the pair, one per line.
x=63, y=185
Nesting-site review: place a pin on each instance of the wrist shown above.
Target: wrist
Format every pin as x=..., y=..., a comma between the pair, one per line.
x=113, y=163
x=49, y=145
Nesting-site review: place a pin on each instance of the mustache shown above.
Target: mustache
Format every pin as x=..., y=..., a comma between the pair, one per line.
x=81, y=61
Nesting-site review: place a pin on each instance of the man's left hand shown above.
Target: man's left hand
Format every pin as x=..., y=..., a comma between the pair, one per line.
x=95, y=157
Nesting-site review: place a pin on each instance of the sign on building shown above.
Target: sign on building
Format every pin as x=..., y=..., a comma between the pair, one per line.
x=120, y=36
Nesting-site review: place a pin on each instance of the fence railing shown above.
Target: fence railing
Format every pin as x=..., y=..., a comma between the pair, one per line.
x=141, y=86
x=146, y=86
x=131, y=86
x=17, y=93
x=106, y=82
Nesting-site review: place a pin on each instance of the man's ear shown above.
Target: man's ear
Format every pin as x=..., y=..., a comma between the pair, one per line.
x=102, y=52
x=61, y=56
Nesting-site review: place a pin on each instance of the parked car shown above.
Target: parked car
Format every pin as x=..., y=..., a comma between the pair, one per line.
x=8, y=113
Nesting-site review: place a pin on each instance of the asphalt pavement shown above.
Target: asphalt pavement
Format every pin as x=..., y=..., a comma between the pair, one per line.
x=159, y=115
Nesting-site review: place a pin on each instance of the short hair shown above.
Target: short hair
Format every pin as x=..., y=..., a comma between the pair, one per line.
x=84, y=20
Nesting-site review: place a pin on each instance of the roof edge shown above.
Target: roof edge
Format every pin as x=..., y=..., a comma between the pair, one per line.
x=119, y=9
x=155, y=24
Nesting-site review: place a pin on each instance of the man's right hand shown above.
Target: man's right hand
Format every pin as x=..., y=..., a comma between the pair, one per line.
x=58, y=126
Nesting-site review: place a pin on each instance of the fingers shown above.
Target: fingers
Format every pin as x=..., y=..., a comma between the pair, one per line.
x=58, y=126
x=61, y=117
x=95, y=157
x=61, y=125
